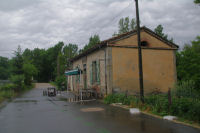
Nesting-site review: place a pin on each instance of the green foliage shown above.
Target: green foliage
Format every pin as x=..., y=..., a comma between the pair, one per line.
x=159, y=30
x=186, y=89
x=60, y=81
x=51, y=62
x=29, y=71
x=61, y=61
x=6, y=94
x=187, y=108
x=120, y=98
x=158, y=103
x=196, y=1
x=92, y=42
x=7, y=91
x=18, y=81
x=188, y=63
x=4, y=68
x=69, y=51
x=7, y=87
x=125, y=25
x=114, y=98
x=17, y=62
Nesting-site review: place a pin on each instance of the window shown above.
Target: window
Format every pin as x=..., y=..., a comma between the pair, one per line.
x=144, y=43
x=94, y=73
x=77, y=76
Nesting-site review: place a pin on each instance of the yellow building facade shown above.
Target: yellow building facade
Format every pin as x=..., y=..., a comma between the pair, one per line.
x=112, y=65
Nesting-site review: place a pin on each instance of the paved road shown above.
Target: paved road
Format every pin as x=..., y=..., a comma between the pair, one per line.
x=34, y=113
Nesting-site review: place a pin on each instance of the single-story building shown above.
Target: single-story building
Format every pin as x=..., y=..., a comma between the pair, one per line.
x=112, y=65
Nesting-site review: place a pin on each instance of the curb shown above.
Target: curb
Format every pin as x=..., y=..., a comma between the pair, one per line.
x=195, y=125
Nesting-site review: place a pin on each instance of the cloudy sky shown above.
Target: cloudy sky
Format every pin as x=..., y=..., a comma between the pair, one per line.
x=42, y=23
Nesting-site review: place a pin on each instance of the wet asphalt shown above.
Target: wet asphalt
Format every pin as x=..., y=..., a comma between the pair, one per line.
x=34, y=113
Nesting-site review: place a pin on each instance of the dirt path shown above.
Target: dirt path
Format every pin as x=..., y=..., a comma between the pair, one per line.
x=42, y=85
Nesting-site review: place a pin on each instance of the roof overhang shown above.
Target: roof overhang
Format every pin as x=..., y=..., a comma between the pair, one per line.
x=122, y=36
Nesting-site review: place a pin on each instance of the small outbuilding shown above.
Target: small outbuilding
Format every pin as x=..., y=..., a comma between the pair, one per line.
x=112, y=65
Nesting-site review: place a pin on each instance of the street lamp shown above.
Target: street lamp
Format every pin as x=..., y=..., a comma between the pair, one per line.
x=139, y=54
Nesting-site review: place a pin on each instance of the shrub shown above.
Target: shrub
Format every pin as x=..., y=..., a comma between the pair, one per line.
x=7, y=87
x=60, y=81
x=158, y=103
x=114, y=98
x=7, y=94
x=29, y=71
x=186, y=108
x=121, y=98
x=109, y=99
x=18, y=81
x=186, y=89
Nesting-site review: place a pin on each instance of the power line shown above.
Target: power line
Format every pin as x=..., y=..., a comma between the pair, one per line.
x=7, y=50
x=111, y=20
x=115, y=17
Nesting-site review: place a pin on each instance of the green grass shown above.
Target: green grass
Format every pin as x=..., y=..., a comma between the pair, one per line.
x=183, y=107
x=6, y=95
x=53, y=84
x=7, y=91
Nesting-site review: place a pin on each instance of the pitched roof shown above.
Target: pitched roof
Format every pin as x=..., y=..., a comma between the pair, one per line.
x=105, y=42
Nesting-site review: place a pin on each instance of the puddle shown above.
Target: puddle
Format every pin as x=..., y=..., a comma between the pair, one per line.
x=1, y=117
x=25, y=101
x=96, y=109
x=103, y=131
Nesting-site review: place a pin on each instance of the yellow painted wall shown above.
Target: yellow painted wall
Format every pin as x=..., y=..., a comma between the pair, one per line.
x=159, y=68
x=132, y=40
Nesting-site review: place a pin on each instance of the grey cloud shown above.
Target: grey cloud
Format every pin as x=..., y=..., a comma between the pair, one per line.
x=11, y=5
x=43, y=23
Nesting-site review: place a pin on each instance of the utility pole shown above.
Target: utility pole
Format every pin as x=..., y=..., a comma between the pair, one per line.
x=139, y=54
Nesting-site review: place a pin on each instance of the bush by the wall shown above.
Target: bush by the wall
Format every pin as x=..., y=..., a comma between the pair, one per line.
x=60, y=81
x=7, y=91
x=7, y=87
x=186, y=89
x=158, y=103
x=186, y=108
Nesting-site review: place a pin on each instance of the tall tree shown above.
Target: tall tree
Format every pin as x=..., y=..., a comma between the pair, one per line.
x=159, y=30
x=29, y=71
x=92, y=41
x=17, y=76
x=40, y=61
x=125, y=25
x=28, y=55
x=61, y=64
x=197, y=1
x=188, y=62
x=4, y=68
x=70, y=51
x=17, y=62
x=52, y=56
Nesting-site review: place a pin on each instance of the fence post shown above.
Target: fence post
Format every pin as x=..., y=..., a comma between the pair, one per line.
x=169, y=99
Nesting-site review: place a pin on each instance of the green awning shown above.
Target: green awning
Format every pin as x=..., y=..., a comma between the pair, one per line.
x=73, y=72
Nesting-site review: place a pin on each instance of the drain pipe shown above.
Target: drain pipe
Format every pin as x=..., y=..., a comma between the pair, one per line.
x=106, y=69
